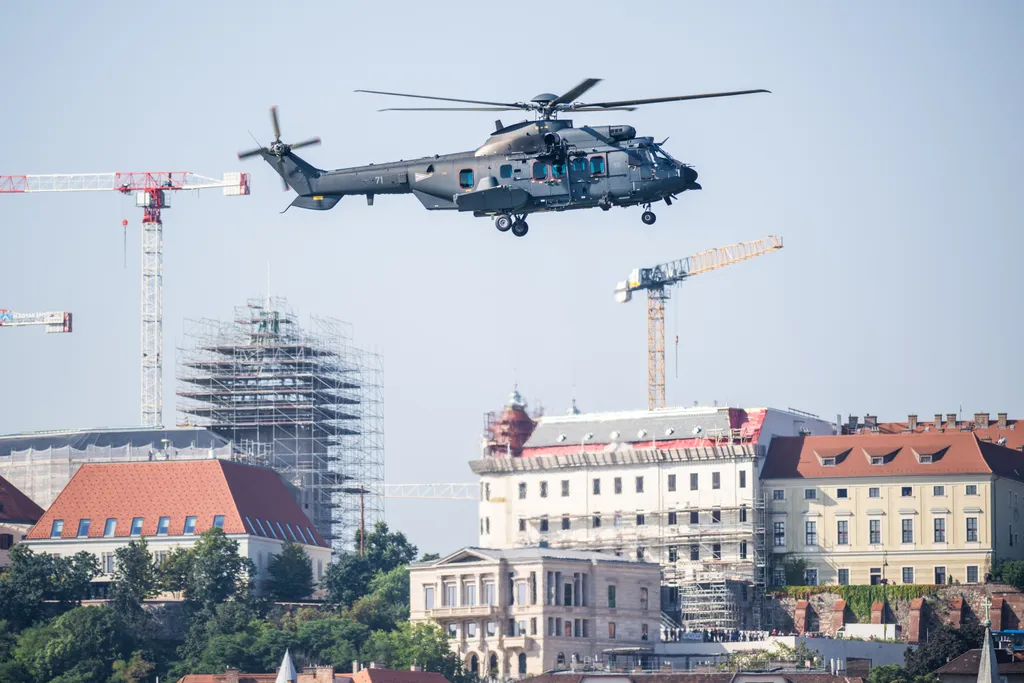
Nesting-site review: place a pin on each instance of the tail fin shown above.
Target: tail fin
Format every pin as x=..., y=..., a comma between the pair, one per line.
x=297, y=173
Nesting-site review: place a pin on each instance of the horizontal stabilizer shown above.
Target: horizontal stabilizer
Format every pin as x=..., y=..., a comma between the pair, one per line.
x=492, y=199
x=316, y=203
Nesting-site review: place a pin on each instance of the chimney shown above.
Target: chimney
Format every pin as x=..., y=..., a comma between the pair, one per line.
x=413, y=667
x=980, y=420
x=324, y=674
x=230, y=675
x=938, y=420
x=912, y=421
x=951, y=419
x=1001, y=418
x=373, y=665
x=355, y=666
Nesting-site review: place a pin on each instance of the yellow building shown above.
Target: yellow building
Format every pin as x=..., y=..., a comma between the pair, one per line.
x=912, y=508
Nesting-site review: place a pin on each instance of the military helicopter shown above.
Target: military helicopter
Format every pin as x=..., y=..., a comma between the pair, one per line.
x=535, y=166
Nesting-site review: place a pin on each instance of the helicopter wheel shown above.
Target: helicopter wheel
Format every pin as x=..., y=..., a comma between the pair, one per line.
x=520, y=228
x=502, y=222
x=648, y=217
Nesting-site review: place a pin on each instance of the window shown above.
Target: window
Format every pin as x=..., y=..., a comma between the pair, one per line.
x=597, y=487
x=673, y=553
x=877, y=459
x=617, y=519
x=874, y=531
x=83, y=527
x=218, y=521
x=490, y=595
x=533, y=632
x=565, y=488
x=521, y=593
x=743, y=512
x=694, y=517
x=543, y=489
x=743, y=550
x=259, y=525
x=451, y=595
x=540, y=170
x=471, y=629
x=907, y=528
x=843, y=532
x=162, y=525
x=492, y=628
x=907, y=491
x=611, y=630
x=716, y=551
x=505, y=171
x=543, y=525
x=110, y=528
x=828, y=462
x=639, y=484
x=972, y=490
x=779, y=576
x=716, y=480
x=558, y=170
x=565, y=523
x=908, y=575
x=312, y=538
x=487, y=491
x=716, y=516
x=874, y=492
x=842, y=493
x=940, y=529
x=810, y=494
x=693, y=481
x=302, y=535
x=743, y=479
x=57, y=528
x=643, y=598
x=875, y=576
x=597, y=165
x=972, y=573
x=136, y=526
x=453, y=630
x=972, y=529
x=938, y=490
x=522, y=490
x=578, y=165
x=671, y=482
x=522, y=524
x=6, y=541
x=926, y=459
x=296, y=538
x=428, y=597
x=778, y=494
x=810, y=577
x=940, y=576
x=810, y=532
x=844, y=577
x=643, y=632
x=469, y=595
x=618, y=484
x=673, y=518
x=640, y=519
x=597, y=520
x=466, y=178
x=611, y=596
x=694, y=552
x=107, y=561
x=279, y=528
x=779, y=534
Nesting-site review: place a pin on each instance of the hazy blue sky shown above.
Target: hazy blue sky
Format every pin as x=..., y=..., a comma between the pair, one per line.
x=888, y=156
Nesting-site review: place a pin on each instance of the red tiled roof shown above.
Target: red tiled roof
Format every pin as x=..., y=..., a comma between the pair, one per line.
x=16, y=507
x=397, y=676
x=222, y=678
x=151, y=490
x=1013, y=432
x=967, y=663
x=800, y=457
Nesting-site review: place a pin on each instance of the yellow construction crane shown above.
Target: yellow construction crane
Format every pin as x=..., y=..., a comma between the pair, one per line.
x=656, y=281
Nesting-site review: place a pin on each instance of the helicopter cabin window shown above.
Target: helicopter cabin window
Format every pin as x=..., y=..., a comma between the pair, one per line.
x=506, y=171
x=540, y=170
x=558, y=170
x=579, y=165
x=466, y=178
x=597, y=165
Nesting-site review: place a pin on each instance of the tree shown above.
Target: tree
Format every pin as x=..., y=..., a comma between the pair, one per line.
x=425, y=645
x=1010, y=572
x=945, y=643
x=430, y=557
x=135, y=670
x=387, y=603
x=291, y=574
x=210, y=572
x=31, y=579
x=332, y=640
x=386, y=550
x=347, y=580
x=81, y=645
x=134, y=580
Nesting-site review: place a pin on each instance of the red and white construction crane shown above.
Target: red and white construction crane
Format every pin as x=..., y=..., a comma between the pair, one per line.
x=151, y=195
x=54, y=322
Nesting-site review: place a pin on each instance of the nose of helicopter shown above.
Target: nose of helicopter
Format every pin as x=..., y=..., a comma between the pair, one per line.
x=690, y=177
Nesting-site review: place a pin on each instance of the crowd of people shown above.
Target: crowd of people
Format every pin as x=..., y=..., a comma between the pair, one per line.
x=717, y=635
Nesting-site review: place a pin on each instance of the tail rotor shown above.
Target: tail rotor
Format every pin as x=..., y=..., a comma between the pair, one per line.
x=277, y=148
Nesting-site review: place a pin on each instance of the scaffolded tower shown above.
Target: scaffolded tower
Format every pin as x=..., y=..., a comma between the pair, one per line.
x=306, y=403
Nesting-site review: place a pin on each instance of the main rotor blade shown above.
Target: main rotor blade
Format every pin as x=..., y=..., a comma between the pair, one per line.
x=513, y=105
x=273, y=119
x=250, y=153
x=450, y=109
x=571, y=95
x=586, y=108
x=305, y=143
x=656, y=100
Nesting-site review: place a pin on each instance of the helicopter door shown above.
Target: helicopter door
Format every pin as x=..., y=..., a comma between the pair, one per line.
x=559, y=181
x=579, y=179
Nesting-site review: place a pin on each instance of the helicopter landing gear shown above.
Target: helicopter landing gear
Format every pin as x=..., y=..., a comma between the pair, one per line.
x=605, y=203
x=520, y=228
x=648, y=216
x=502, y=222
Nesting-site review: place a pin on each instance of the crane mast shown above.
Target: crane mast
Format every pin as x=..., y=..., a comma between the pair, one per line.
x=53, y=321
x=151, y=195
x=657, y=280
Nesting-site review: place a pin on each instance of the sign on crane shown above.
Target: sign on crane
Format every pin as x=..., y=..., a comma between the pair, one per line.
x=54, y=322
x=151, y=195
x=658, y=279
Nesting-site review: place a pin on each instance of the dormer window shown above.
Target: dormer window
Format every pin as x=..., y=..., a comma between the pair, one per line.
x=162, y=526
x=926, y=459
x=828, y=462
x=877, y=460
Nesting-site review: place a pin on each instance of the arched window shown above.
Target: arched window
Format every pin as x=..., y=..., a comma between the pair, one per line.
x=474, y=664
x=492, y=670
x=560, y=662
x=522, y=662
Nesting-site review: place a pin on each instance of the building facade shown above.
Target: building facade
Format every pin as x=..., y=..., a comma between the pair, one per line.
x=170, y=504
x=924, y=508
x=17, y=515
x=518, y=612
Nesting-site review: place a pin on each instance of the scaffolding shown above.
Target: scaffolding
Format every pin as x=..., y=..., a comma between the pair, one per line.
x=305, y=403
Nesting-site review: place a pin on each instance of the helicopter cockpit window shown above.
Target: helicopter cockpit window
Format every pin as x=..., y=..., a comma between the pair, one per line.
x=579, y=165
x=466, y=178
x=540, y=170
x=558, y=170
x=506, y=171
x=597, y=165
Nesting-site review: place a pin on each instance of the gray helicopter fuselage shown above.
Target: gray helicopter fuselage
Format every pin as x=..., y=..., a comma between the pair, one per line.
x=529, y=167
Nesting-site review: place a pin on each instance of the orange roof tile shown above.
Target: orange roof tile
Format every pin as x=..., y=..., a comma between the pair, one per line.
x=1013, y=432
x=151, y=490
x=800, y=457
x=16, y=507
x=397, y=676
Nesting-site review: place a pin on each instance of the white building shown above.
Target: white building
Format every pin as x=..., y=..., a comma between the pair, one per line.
x=17, y=515
x=678, y=487
x=513, y=613
x=170, y=503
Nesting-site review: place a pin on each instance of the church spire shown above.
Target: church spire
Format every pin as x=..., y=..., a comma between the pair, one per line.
x=988, y=668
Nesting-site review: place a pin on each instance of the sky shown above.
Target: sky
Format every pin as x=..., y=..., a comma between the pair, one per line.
x=887, y=156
